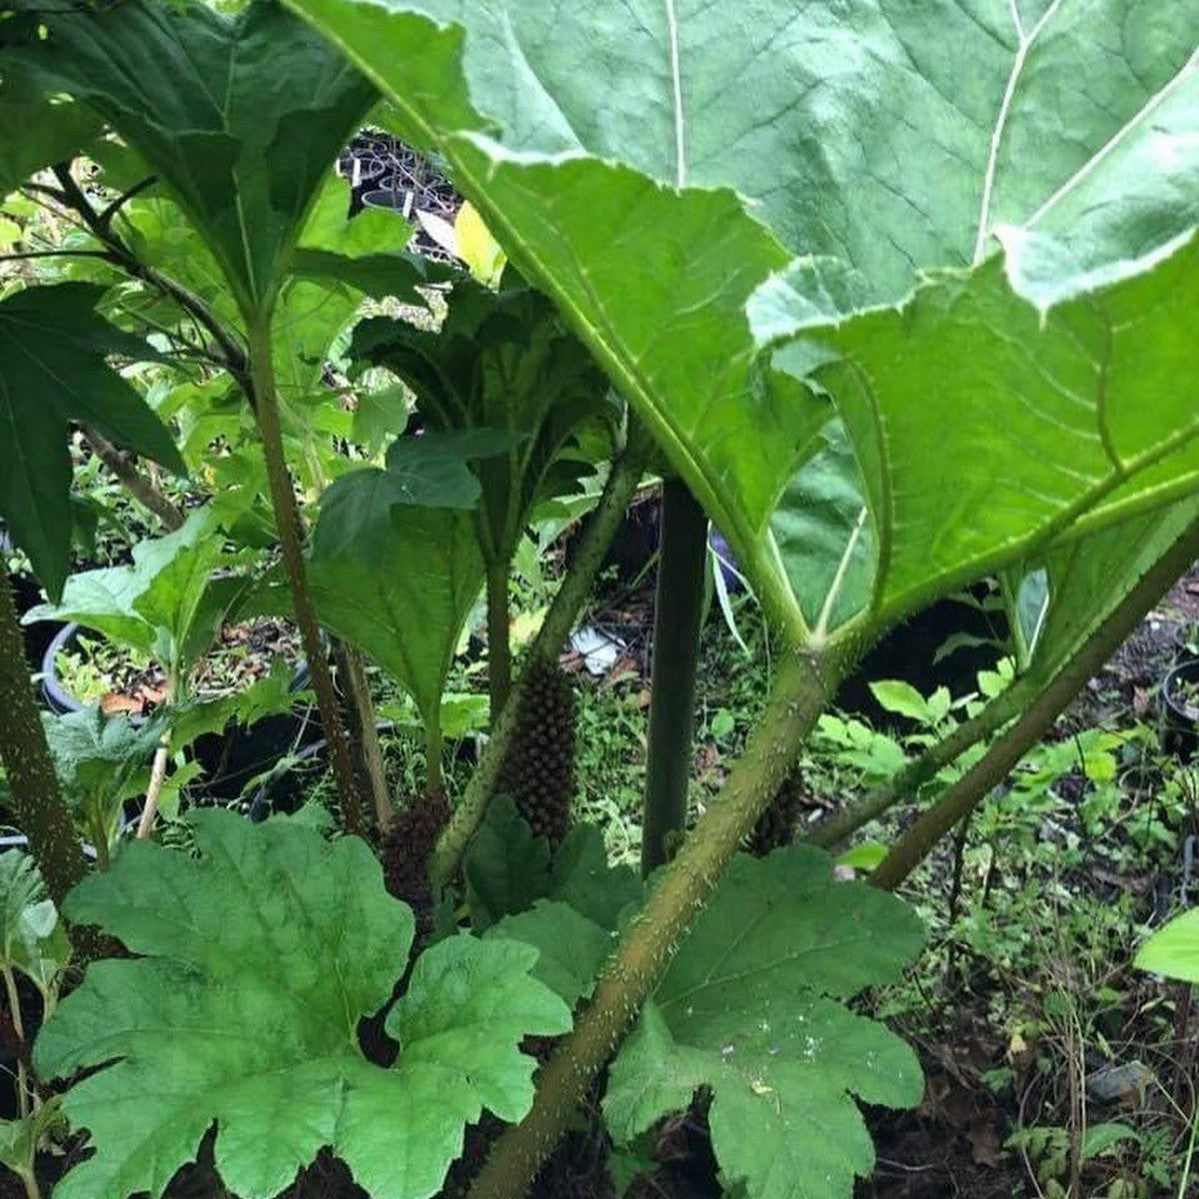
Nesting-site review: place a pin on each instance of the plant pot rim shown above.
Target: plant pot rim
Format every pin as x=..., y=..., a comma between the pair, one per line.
x=61, y=701
x=17, y=840
x=1185, y=670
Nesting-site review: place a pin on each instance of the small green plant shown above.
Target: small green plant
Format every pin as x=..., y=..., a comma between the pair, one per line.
x=34, y=946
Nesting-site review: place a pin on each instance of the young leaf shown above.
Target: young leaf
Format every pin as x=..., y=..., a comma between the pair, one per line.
x=20, y=1140
x=748, y=1009
x=101, y=761
x=32, y=938
x=902, y=698
x=398, y=580
x=498, y=361
x=167, y=604
x=508, y=869
x=53, y=369
x=259, y=957
x=571, y=947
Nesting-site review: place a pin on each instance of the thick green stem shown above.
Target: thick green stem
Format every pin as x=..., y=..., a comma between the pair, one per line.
x=1036, y=720
x=593, y=545
x=288, y=523
x=499, y=639
x=804, y=686
x=830, y=833
x=364, y=731
x=678, y=619
x=40, y=811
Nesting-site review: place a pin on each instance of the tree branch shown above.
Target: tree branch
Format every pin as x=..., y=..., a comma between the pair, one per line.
x=138, y=486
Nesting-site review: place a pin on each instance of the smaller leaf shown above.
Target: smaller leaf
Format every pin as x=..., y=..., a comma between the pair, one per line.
x=901, y=698
x=508, y=869
x=1174, y=949
x=865, y=856
x=1098, y=1138
x=396, y=579
x=507, y=866
x=380, y=414
x=20, y=1140
x=433, y=469
x=54, y=350
x=572, y=948
x=32, y=938
x=483, y=255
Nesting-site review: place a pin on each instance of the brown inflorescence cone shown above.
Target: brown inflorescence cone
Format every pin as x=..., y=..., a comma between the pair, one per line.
x=539, y=773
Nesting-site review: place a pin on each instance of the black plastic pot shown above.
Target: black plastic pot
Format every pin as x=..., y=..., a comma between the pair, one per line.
x=230, y=759
x=1180, y=720
x=1186, y=643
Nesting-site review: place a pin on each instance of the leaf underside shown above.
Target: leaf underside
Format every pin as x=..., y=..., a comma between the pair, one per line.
x=1072, y=137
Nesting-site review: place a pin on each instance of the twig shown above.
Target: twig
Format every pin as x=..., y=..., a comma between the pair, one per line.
x=106, y=214
x=158, y=774
x=1003, y=756
x=135, y=482
x=24, y=255
x=18, y=1025
x=234, y=358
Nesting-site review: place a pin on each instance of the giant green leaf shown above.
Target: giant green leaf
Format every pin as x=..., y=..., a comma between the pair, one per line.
x=258, y=957
x=1043, y=423
x=749, y=1009
x=54, y=351
x=240, y=116
x=396, y=579
x=1075, y=121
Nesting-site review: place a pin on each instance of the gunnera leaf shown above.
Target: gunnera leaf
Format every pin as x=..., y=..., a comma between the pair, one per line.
x=509, y=868
x=260, y=956
x=749, y=1009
